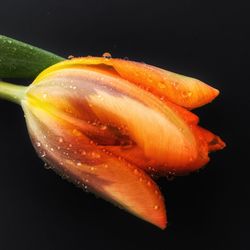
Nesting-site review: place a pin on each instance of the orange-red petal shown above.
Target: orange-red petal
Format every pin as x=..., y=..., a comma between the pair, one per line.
x=76, y=157
x=161, y=134
x=181, y=90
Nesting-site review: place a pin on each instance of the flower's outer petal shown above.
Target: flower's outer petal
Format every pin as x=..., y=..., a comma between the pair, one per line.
x=74, y=156
x=159, y=132
x=181, y=90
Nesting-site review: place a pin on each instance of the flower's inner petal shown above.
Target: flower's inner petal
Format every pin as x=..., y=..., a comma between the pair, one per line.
x=82, y=161
x=181, y=90
x=129, y=113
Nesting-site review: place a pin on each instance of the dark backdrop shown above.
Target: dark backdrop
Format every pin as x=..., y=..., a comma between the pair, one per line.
x=206, y=210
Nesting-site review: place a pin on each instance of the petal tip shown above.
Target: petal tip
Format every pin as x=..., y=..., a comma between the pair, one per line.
x=216, y=144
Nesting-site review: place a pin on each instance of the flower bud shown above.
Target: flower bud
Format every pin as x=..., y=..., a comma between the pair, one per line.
x=106, y=124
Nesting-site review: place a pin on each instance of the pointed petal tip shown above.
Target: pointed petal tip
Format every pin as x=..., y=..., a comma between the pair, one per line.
x=216, y=92
x=159, y=220
x=162, y=224
x=216, y=144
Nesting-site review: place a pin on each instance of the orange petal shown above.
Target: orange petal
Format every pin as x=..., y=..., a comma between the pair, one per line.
x=181, y=90
x=77, y=158
x=161, y=134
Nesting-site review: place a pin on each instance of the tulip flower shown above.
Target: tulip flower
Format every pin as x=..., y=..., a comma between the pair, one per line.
x=108, y=125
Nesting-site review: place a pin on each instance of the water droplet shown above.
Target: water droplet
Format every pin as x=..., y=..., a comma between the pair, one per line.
x=83, y=152
x=60, y=139
x=43, y=154
x=136, y=171
x=140, y=179
x=92, y=168
x=47, y=166
x=191, y=159
x=45, y=96
x=100, y=97
x=52, y=149
x=103, y=127
x=38, y=144
x=107, y=55
x=76, y=132
x=161, y=85
x=79, y=164
x=149, y=183
x=105, y=165
x=156, y=207
x=9, y=41
x=186, y=94
x=181, y=129
x=175, y=84
x=70, y=57
x=95, y=155
x=126, y=58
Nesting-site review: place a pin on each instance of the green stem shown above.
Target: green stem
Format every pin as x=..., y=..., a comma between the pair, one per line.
x=11, y=92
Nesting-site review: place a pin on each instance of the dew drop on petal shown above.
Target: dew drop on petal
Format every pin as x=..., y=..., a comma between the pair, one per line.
x=156, y=207
x=95, y=155
x=136, y=171
x=83, y=152
x=106, y=55
x=103, y=127
x=76, y=132
x=70, y=57
x=43, y=155
x=186, y=94
x=161, y=85
x=175, y=84
x=47, y=166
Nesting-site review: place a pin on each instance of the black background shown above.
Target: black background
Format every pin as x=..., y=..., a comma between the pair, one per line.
x=206, y=210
